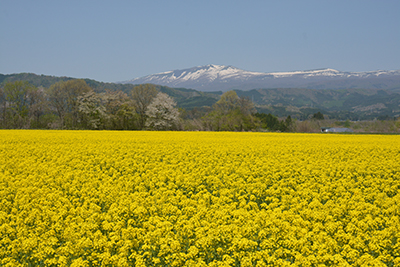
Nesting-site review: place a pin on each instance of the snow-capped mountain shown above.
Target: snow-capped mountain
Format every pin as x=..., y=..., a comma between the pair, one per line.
x=223, y=78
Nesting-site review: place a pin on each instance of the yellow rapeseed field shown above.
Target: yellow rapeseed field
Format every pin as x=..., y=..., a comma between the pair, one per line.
x=85, y=198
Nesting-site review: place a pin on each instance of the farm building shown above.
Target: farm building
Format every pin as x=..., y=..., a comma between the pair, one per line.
x=335, y=130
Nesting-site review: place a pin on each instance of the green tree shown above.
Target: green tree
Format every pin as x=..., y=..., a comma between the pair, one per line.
x=18, y=97
x=288, y=125
x=119, y=110
x=272, y=123
x=228, y=102
x=269, y=121
x=125, y=118
x=318, y=116
x=231, y=113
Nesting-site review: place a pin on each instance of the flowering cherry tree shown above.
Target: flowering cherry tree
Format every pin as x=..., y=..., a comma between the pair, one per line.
x=162, y=113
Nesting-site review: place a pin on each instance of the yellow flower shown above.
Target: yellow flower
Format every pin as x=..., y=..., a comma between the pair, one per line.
x=80, y=198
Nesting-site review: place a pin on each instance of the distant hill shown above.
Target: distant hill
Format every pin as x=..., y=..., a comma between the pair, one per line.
x=224, y=78
x=356, y=104
x=46, y=81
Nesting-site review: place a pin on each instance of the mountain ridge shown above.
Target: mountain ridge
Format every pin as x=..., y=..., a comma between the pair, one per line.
x=224, y=78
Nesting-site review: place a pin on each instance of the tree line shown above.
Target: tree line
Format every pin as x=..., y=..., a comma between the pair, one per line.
x=73, y=104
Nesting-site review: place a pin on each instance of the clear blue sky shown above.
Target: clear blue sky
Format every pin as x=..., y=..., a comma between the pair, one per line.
x=119, y=40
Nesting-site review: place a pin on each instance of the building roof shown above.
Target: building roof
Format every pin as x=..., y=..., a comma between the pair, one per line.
x=335, y=130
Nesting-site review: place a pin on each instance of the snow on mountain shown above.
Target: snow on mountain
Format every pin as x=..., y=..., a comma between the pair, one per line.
x=209, y=73
x=333, y=73
x=222, y=78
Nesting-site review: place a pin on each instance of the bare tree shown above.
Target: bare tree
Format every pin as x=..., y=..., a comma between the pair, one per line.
x=246, y=106
x=64, y=98
x=142, y=95
x=38, y=106
x=3, y=108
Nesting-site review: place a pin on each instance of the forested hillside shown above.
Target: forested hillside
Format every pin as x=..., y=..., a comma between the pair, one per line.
x=185, y=98
x=353, y=104
x=298, y=103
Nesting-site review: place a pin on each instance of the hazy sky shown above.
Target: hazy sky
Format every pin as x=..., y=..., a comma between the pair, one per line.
x=120, y=40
